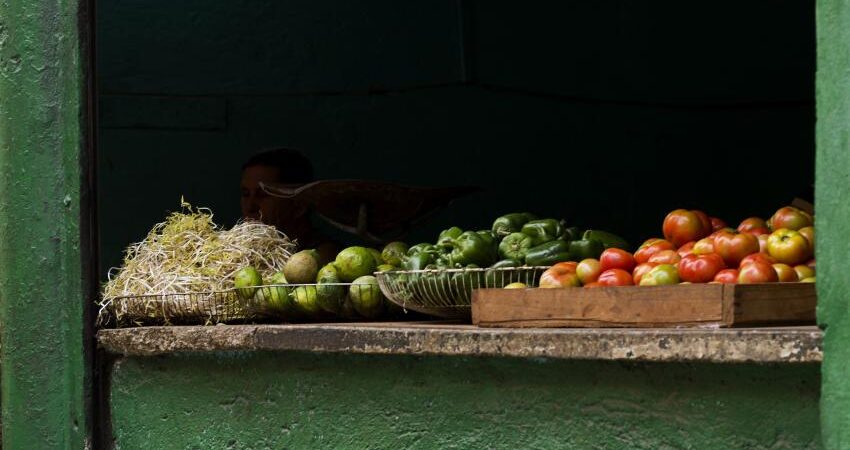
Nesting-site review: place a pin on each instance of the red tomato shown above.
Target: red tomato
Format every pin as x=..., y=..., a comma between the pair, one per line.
x=588, y=270
x=700, y=268
x=734, y=247
x=666, y=257
x=641, y=270
x=615, y=258
x=727, y=276
x=763, y=242
x=757, y=272
x=682, y=226
x=758, y=257
x=651, y=247
x=717, y=224
x=752, y=223
x=785, y=273
x=809, y=233
x=593, y=285
x=615, y=277
x=791, y=218
x=686, y=249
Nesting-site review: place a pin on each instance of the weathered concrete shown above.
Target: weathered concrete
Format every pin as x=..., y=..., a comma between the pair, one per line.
x=779, y=345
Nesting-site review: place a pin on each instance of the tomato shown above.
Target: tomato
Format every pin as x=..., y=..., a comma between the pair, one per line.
x=785, y=273
x=615, y=258
x=734, y=247
x=686, y=249
x=682, y=226
x=757, y=272
x=763, y=242
x=651, y=247
x=788, y=246
x=588, y=270
x=615, y=277
x=704, y=246
x=804, y=271
x=717, y=224
x=595, y=284
x=666, y=257
x=727, y=276
x=811, y=263
x=790, y=218
x=809, y=233
x=758, y=257
x=753, y=223
x=641, y=270
x=663, y=274
x=560, y=275
x=700, y=268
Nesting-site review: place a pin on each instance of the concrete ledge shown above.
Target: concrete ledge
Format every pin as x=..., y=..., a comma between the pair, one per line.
x=762, y=345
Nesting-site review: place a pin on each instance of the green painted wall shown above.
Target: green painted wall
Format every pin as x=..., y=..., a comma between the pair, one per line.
x=292, y=400
x=43, y=282
x=600, y=105
x=833, y=217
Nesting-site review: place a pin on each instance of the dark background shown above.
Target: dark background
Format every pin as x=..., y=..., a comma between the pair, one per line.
x=608, y=113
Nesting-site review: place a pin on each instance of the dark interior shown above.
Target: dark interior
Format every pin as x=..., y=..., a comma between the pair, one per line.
x=607, y=113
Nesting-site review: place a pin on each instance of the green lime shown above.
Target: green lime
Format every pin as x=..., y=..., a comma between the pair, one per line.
x=394, y=252
x=302, y=267
x=385, y=268
x=276, y=297
x=307, y=300
x=329, y=292
x=379, y=259
x=355, y=262
x=366, y=296
x=246, y=281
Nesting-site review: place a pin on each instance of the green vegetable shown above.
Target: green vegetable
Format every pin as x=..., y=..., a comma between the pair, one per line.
x=609, y=240
x=329, y=293
x=586, y=248
x=447, y=236
x=417, y=261
x=498, y=278
x=542, y=231
x=471, y=248
x=510, y=223
x=246, y=280
x=466, y=281
x=422, y=248
x=549, y=253
x=572, y=234
x=515, y=246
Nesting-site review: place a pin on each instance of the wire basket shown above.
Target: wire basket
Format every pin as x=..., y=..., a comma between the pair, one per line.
x=448, y=292
x=286, y=303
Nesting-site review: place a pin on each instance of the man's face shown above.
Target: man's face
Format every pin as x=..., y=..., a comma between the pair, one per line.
x=258, y=205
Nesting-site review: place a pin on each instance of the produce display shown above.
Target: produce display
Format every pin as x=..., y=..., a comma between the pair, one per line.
x=697, y=248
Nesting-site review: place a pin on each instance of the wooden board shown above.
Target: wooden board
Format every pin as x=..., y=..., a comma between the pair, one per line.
x=723, y=305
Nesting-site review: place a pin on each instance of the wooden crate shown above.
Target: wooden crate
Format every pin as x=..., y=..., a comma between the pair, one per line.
x=686, y=305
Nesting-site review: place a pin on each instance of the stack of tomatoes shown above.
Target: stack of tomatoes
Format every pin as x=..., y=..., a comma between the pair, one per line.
x=697, y=248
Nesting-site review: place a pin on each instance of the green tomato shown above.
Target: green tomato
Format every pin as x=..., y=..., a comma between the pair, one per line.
x=663, y=274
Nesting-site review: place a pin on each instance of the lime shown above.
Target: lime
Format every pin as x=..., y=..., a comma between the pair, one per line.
x=379, y=259
x=307, y=300
x=276, y=297
x=329, y=292
x=346, y=308
x=302, y=267
x=516, y=286
x=354, y=262
x=394, y=252
x=385, y=268
x=366, y=296
x=246, y=280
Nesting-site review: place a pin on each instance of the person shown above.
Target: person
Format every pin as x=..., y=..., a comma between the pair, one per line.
x=289, y=215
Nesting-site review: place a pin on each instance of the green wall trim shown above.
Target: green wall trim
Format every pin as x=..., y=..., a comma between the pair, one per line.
x=43, y=110
x=258, y=400
x=833, y=215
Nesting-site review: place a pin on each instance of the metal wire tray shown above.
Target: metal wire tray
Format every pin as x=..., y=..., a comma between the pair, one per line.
x=448, y=292
x=209, y=308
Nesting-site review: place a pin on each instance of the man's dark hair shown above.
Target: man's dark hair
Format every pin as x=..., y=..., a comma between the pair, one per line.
x=293, y=166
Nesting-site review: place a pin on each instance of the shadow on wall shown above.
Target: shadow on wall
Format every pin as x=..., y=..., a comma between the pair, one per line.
x=608, y=113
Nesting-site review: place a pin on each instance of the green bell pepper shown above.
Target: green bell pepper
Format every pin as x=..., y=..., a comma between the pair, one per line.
x=417, y=261
x=471, y=248
x=543, y=230
x=510, y=223
x=422, y=248
x=571, y=234
x=515, y=246
x=549, y=253
x=464, y=282
x=495, y=278
x=586, y=248
x=609, y=240
x=447, y=236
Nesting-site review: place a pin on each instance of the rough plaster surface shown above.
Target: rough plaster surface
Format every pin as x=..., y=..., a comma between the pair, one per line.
x=788, y=345
x=258, y=400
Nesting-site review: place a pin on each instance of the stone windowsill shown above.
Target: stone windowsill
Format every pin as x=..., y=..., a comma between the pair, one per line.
x=762, y=345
